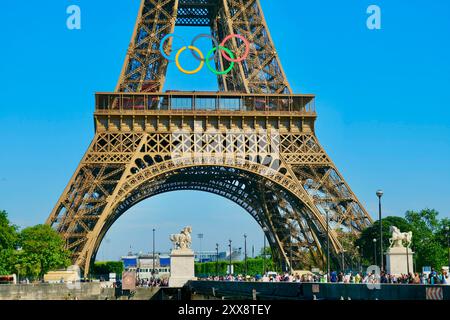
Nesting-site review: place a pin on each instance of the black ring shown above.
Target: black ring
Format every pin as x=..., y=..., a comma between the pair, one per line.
x=216, y=43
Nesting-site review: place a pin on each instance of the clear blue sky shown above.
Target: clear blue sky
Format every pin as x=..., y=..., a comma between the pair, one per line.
x=383, y=99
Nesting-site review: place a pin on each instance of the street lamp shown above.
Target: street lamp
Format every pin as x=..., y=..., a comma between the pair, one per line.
x=264, y=250
x=407, y=259
x=217, y=259
x=290, y=245
x=229, y=245
x=290, y=254
x=379, y=195
x=153, y=271
x=359, y=259
x=343, y=260
x=245, y=253
x=375, y=250
x=18, y=266
x=200, y=236
x=327, y=211
x=448, y=243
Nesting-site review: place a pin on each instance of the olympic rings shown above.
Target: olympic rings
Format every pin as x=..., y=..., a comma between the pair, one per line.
x=177, y=60
x=208, y=36
x=247, y=48
x=198, y=55
x=212, y=69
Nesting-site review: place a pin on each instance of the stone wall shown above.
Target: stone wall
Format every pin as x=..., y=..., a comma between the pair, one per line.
x=81, y=291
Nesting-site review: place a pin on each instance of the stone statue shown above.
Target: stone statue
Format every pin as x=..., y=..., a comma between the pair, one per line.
x=398, y=237
x=182, y=240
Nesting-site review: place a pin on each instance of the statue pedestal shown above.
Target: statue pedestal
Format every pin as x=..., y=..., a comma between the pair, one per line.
x=181, y=267
x=397, y=260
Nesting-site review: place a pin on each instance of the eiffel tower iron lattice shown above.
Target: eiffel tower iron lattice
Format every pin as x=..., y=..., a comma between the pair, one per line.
x=139, y=131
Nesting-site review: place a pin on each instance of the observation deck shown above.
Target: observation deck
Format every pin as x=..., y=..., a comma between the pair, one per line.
x=281, y=110
x=205, y=101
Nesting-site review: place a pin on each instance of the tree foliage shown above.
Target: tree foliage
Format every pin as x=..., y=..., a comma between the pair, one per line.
x=255, y=266
x=42, y=251
x=8, y=242
x=429, y=238
x=8, y=232
x=31, y=252
x=102, y=268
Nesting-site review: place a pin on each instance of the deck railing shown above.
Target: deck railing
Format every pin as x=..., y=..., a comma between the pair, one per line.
x=204, y=101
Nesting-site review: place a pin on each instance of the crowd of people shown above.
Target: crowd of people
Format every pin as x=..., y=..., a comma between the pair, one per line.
x=152, y=282
x=432, y=278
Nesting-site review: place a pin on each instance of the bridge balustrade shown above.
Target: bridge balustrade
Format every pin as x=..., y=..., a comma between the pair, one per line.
x=310, y=291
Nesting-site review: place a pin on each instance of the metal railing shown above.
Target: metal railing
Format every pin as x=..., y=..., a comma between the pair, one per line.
x=312, y=291
x=204, y=101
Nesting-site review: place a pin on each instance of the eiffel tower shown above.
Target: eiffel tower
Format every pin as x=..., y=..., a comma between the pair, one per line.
x=140, y=131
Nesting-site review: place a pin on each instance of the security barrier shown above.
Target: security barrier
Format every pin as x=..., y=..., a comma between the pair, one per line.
x=316, y=291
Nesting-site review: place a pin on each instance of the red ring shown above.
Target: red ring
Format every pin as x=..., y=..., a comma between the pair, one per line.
x=247, y=50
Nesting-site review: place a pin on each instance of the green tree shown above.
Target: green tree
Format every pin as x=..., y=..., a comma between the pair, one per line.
x=428, y=242
x=442, y=233
x=429, y=238
x=106, y=267
x=5, y=262
x=8, y=232
x=255, y=266
x=8, y=242
x=42, y=251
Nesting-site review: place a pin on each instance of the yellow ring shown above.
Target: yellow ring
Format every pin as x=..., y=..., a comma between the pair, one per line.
x=177, y=60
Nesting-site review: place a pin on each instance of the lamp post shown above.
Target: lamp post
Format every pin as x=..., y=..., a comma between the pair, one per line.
x=375, y=250
x=448, y=243
x=343, y=261
x=407, y=259
x=264, y=250
x=229, y=245
x=379, y=195
x=153, y=271
x=290, y=253
x=327, y=211
x=217, y=259
x=200, y=237
x=290, y=247
x=18, y=266
x=359, y=258
x=245, y=254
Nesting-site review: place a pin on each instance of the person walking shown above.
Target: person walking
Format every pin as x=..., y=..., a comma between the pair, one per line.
x=334, y=277
x=358, y=278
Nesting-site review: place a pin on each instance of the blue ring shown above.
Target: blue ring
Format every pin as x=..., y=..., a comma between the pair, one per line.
x=161, y=45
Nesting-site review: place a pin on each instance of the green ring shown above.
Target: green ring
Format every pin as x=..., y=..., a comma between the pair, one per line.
x=214, y=70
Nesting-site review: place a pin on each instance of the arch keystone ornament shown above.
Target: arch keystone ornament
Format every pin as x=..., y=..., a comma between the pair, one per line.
x=253, y=142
